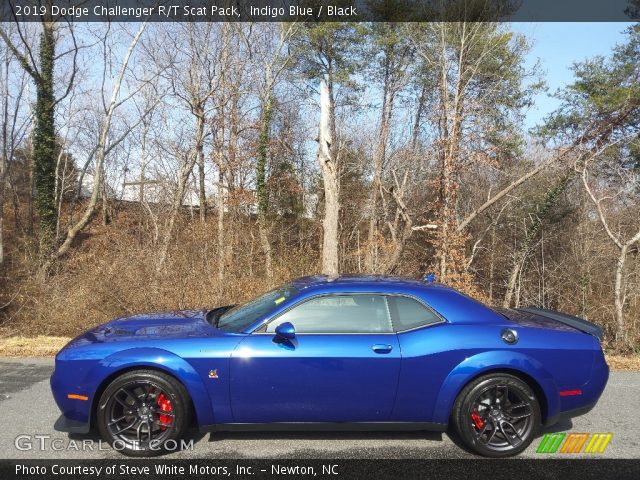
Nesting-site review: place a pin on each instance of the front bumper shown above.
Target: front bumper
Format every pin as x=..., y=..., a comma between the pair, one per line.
x=64, y=383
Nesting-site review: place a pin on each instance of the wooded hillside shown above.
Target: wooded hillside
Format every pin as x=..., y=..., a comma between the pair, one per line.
x=174, y=165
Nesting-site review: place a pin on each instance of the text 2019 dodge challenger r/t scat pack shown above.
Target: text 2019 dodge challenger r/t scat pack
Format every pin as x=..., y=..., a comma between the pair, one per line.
x=350, y=352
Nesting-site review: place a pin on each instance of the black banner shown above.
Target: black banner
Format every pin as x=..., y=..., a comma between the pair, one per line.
x=320, y=10
x=201, y=469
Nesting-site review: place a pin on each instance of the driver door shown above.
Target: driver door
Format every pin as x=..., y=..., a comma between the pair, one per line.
x=342, y=365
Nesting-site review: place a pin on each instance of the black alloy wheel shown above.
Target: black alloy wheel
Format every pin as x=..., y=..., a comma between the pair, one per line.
x=143, y=413
x=497, y=415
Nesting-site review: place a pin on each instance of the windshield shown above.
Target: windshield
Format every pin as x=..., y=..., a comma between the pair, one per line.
x=239, y=318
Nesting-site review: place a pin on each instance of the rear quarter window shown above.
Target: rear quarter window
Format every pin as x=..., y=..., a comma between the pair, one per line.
x=409, y=313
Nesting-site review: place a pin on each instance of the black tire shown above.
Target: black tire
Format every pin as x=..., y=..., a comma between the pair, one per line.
x=497, y=415
x=155, y=405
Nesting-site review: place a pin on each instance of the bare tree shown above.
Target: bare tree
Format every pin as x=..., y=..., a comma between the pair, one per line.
x=392, y=69
x=5, y=146
x=330, y=176
x=102, y=148
x=266, y=44
x=328, y=55
x=476, y=70
x=195, y=87
x=401, y=227
x=225, y=129
x=42, y=74
x=623, y=242
x=541, y=210
x=16, y=119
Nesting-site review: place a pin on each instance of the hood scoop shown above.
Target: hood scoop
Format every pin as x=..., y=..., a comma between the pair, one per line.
x=116, y=331
x=150, y=326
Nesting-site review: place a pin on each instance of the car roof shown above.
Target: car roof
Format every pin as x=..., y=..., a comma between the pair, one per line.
x=452, y=304
x=357, y=281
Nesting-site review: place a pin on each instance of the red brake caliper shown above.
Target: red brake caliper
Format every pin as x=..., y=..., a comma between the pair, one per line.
x=477, y=421
x=165, y=406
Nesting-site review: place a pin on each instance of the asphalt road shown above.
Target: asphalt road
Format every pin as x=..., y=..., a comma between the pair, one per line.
x=28, y=409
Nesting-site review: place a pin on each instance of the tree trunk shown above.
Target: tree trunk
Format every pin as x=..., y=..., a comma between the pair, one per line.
x=230, y=169
x=261, y=187
x=30, y=200
x=5, y=152
x=621, y=333
x=265, y=244
x=2, y=170
x=492, y=262
x=143, y=167
x=219, y=155
x=513, y=276
x=415, y=134
x=221, y=246
x=201, y=186
x=105, y=198
x=202, y=195
x=330, y=177
x=371, y=258
x=451, y=250
x=261, y=162
x=61, y=180
x=199, y=158
x=44, y=141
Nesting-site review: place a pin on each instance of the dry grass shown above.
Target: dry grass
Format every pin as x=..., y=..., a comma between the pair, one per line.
x=111, y=274
x=624, y=363
x=44, y=346
x=40, y=346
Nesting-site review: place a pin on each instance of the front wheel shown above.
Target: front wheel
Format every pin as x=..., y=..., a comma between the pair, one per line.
x=497, y=415
x=143, y=413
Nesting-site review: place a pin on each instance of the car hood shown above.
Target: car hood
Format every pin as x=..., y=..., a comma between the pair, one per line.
x=160, y=325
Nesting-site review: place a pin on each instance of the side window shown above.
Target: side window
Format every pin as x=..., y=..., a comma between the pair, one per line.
x=338, y=314
x=409, y=313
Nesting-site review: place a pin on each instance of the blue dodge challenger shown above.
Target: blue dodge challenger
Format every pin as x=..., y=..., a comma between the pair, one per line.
x=339, y=353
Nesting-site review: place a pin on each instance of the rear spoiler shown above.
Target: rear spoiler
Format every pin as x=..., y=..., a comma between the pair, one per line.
x=575, y=322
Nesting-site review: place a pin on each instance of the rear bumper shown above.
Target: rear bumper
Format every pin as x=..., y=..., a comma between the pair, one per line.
x=64, y=424
x=576, y=412
x=574, y=406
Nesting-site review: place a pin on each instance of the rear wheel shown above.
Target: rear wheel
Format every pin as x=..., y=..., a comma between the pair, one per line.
x=497, y=415
x=143, y=413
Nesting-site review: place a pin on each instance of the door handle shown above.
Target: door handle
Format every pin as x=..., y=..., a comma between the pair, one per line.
x=382, y=348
